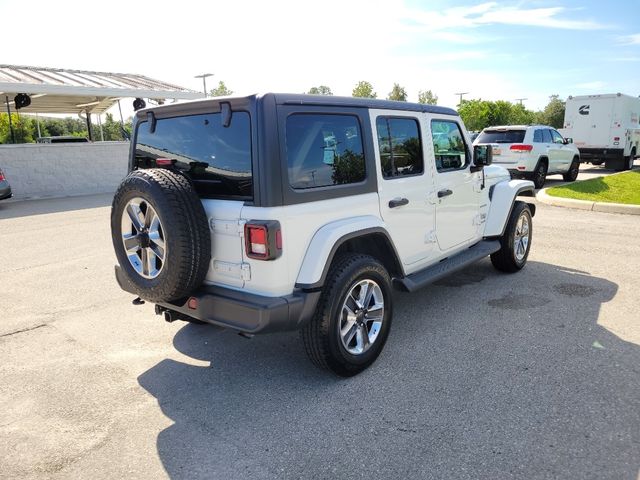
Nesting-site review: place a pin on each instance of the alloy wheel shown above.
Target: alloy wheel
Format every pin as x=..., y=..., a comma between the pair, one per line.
x=143, y=238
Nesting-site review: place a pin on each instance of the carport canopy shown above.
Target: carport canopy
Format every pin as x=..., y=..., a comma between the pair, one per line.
x=55, y=90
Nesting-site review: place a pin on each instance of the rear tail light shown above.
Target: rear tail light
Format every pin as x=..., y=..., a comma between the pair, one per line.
x=521, y=148
x=1, y=176
x=263, y=239
x=164, y=162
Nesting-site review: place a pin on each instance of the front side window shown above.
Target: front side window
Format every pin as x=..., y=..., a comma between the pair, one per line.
x=546, y=136
x=557, y=138
x=400, y=147
x=216, y=158
x=448, y=146
x=324, y=150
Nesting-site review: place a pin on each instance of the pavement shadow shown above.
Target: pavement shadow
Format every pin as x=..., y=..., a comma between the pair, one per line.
x=484, y=375
x=15, y=208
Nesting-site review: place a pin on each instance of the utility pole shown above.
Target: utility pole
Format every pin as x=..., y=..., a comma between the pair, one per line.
x=521, y=100
x=461, y=94
x=204, y=76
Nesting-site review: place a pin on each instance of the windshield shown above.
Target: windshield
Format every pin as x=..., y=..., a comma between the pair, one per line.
x=501, y=136
x=216, y=158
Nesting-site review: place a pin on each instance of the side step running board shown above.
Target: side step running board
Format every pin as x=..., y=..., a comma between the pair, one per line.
x=431, y=274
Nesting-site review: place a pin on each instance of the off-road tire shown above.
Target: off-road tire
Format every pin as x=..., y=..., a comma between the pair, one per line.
x=505, y=259
x=187, y=238
x=321, y=336
x=572, y=173
x=540, y=174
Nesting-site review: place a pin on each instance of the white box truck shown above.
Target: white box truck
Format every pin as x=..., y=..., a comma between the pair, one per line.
x=605, y=128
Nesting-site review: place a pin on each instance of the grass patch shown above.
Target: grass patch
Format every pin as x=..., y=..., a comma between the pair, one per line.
x=620, y=188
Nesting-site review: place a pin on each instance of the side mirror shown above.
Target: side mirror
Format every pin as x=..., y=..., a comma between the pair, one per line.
x=482, y=155
x=568, y=140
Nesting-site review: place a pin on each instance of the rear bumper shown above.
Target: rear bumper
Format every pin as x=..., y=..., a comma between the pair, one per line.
x=245, y=312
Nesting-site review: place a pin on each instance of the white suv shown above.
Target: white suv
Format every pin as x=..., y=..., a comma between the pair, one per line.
x=298, y=212
x=532, y=152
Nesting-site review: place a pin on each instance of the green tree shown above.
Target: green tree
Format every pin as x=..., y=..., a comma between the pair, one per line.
x=475, y=114
x=397, y=93
x=500, y=112
x=321, y=90
x=364, y=90
x=479, y=114
x=23, y=128
x=427, y=97
x=553, y=113
x=111, y=129
x=521, y=116
x=221, y=90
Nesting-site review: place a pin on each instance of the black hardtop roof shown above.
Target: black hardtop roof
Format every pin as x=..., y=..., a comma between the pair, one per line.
x=304, y=99
x=297, y=99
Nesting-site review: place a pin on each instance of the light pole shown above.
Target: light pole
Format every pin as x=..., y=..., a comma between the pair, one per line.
x=461, y=94
x=204, y=81
x=521, y=100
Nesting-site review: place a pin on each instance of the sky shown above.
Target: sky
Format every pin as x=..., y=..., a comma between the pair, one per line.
x=492, y=50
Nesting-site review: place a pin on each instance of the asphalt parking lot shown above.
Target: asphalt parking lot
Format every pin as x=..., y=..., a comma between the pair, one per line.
x=485, y=375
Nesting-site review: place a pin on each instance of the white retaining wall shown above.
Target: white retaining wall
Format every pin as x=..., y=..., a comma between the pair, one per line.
x=59, y=170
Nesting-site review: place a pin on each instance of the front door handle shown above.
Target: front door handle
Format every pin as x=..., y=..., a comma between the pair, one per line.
x=445, y=193
x=398, y=202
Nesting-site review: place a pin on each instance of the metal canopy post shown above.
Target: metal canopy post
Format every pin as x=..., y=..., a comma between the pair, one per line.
x=89, y=125
x=13, y=135
x=38, y=125
x=100, y=125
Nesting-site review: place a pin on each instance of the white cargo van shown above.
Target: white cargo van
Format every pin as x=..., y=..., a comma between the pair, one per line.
x=605, y=128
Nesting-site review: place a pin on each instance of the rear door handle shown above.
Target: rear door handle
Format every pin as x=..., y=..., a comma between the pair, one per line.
x=398, y=202
x=445, y=193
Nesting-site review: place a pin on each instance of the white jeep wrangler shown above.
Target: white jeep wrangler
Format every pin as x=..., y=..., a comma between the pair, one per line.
x=280, y=212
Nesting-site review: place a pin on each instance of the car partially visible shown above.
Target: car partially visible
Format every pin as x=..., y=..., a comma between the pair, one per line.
x=5, y=188
x=532, y=152
x=63, y=139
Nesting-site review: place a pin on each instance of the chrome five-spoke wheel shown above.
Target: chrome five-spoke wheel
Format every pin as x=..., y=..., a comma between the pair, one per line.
x=143, y=238
x=521, y=237
x=361, y=317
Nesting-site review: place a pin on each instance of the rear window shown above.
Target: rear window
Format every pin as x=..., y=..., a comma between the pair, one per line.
x=501, y=136
x=217, y=159
x=324, y=150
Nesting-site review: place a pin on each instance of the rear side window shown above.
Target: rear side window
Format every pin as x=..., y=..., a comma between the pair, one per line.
x=537, y=136
x=217, y=159
x=324, y=150
x=400, y=147
x=501, y=136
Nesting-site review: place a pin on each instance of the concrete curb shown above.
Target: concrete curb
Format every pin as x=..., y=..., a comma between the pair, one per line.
x=543, y=197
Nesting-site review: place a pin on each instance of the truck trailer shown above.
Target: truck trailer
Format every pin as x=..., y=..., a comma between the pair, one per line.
x=605, y=128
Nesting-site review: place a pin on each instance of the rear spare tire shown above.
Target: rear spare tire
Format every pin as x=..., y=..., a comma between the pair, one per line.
x=160, y=234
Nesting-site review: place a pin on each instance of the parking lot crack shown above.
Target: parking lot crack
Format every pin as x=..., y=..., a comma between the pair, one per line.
x=23, y=330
